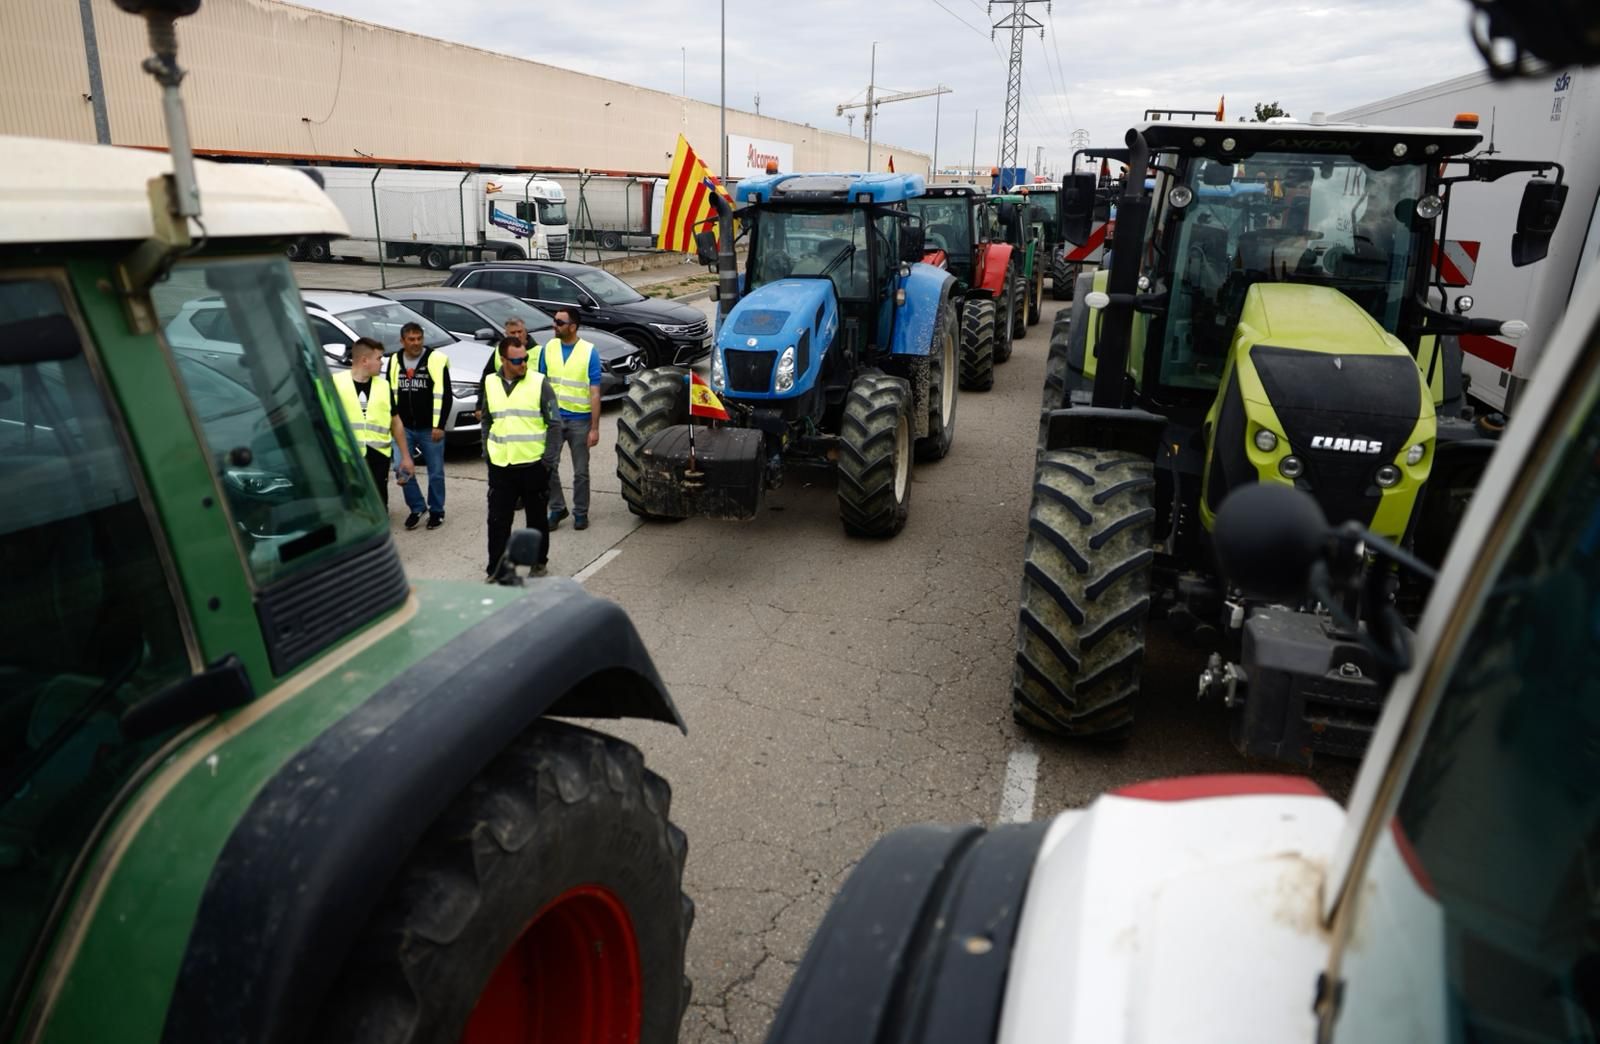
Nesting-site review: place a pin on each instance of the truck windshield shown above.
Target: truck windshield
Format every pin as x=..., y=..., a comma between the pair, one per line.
x=1333, y=221
x=552, y=213
x=296, y=486
x=795, y=242
x=1484, y=917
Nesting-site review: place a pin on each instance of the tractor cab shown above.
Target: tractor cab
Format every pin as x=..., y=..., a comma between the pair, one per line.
x=950, y=221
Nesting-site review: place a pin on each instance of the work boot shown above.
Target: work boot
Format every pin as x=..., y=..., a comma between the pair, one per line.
x=556, y=515
x=412, y=520
x=580, y=521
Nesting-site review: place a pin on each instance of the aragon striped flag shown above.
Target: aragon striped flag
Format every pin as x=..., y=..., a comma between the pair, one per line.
x=688, y=200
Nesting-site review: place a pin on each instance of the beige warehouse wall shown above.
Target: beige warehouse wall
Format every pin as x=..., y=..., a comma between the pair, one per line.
x=269, y=78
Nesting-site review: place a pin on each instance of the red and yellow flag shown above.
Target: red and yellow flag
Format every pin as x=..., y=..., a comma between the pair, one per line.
x=688, y=200
x=703, y=402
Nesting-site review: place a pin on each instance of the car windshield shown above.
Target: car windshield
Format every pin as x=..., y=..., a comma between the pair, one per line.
x=801, y=242
x=1331, y=221
x=384, y=323
x=946, y=223
x=606, y=288
x=502, y=310
x=552, y=213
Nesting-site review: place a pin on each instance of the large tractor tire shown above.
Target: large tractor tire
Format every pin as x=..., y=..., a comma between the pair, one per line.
x=1019, y=309
x=1063, y=274
x=977, y=344
x=545, y=904
x=943, y=376
x=656, y=400
x=1005, y=317
x=1085, y=593
x=875, y=449
x=1036, y=298
x=1067, y=336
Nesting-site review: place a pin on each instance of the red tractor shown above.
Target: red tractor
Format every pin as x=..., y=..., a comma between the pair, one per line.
x=961, y=237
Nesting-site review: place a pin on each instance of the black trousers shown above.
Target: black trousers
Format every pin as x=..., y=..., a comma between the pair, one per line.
x=529, y=483
x=378, y=464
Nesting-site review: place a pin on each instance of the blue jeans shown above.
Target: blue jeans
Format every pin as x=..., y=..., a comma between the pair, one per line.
x=433, y=456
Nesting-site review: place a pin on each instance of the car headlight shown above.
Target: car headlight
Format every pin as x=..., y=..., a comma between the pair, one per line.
x=1387, y=476
x=785, y=379
x=717, y=380
x=1415, y=454
x=672, y=329
x=463, y=389
x=1266, y=441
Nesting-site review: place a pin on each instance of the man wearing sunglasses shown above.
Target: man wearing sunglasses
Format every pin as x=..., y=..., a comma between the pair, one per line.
x=522, y=430
x=573, y=366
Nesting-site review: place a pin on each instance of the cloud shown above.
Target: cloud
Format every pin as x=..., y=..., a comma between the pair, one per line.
x=1097, y=67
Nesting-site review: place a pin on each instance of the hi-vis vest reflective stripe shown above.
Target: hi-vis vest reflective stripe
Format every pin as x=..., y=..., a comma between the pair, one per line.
x=437, y=361
x=516, y=427
x=372, y=424
x=571, y=378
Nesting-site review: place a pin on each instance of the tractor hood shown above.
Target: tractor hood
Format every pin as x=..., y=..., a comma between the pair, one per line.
x=757, y=334
x=1183, y=909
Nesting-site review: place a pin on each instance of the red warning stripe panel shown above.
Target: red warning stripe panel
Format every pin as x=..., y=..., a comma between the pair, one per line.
x=1096, y=239
x=1492, y=351
x=1456, y=261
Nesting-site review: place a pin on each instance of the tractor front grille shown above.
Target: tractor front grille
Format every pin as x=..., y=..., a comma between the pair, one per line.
x=749, y=371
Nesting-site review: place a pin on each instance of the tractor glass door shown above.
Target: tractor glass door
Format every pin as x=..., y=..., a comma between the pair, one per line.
x=89, y=625
x=1331, y=221
x=297, y=487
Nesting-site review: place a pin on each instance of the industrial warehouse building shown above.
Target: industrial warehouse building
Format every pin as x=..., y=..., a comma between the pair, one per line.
x=274, y=81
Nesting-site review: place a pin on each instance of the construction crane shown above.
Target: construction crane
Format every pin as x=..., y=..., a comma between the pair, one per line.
x=874, y=100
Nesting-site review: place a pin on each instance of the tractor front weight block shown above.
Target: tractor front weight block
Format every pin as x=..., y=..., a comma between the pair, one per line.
x=726, y=479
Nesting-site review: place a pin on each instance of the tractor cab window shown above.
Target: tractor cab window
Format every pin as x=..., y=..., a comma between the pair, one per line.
x=947, y=224
x=1331, y=221
x=805, y=243
x=88, y=622
x=296, y=486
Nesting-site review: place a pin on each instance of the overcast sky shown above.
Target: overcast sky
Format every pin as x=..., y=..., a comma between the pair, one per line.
x=1097, y=68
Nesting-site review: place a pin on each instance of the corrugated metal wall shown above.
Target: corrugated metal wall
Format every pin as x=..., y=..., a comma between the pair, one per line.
x=269, y=78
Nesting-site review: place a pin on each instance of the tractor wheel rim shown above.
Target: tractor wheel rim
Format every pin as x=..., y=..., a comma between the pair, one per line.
x=902, y=459
x=572, y=976
x=947, y=378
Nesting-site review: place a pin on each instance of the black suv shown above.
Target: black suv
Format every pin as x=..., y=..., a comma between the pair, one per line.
x=667, y=331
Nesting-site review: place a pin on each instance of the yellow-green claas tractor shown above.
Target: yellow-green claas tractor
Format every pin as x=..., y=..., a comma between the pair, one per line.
x=1270, y=313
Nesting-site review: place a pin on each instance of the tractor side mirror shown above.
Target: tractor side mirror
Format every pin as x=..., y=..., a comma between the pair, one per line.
x=913, y=242
x=1536, y=221
x=705, y=247
x=1268, y=536
x=1075, y=218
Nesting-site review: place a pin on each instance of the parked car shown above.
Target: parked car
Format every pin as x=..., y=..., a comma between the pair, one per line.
x=203, y=328
x=466, y=312
x=669, y=332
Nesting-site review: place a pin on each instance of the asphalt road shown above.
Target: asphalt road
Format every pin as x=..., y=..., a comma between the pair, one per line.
x=836, y=689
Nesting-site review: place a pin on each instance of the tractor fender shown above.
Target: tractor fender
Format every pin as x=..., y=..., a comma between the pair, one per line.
x=996, y=256
x=302, y=871
x=927, y=289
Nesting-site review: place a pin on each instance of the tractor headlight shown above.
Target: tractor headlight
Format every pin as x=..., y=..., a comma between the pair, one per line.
x=785, y=379
x=717, y=380
x=1429, y=207
x=1387, y=476
x=1266, y=441
x=1291, y=467
x=1415, y=454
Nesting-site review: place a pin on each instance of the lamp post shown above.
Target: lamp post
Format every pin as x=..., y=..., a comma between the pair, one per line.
x=722, y=145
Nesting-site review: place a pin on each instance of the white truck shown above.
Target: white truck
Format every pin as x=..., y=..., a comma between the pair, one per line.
x=440, y=217
x=612, y=211
x=1553, y=116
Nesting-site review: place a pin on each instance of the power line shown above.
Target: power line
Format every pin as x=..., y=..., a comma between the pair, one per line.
x=1072, y=120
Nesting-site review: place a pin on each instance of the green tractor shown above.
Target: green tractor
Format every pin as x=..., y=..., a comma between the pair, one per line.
x=1020, y=222
x=960, y=237
x=258, y=786
x=1269, y=316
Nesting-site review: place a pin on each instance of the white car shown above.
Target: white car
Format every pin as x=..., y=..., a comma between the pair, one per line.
x=203, y=328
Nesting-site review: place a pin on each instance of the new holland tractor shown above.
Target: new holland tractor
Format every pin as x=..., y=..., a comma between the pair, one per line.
x=1269, y=316
x=1019, y=222
x=836, y=347
x=960, y=238
x=256, y=785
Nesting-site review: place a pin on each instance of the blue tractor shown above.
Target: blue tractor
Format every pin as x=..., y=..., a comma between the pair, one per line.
x=836, y=346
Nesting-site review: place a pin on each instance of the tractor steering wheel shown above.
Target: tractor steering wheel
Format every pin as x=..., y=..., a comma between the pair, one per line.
x=777, y=265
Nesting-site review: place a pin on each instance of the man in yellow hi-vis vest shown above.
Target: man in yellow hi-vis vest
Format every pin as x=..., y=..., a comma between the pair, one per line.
x=573, y=366
x=369, y=407
x=522, y=431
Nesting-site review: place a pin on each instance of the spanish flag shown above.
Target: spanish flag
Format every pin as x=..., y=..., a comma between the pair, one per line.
x=703, y=402
x=688, y=206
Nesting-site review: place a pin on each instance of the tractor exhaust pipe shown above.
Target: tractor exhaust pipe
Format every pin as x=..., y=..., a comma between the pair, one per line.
x=1116, y=331
x=727, y=267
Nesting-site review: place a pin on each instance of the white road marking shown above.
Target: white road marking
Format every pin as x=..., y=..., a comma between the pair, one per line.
x=600, y=563
x=1016, y=793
